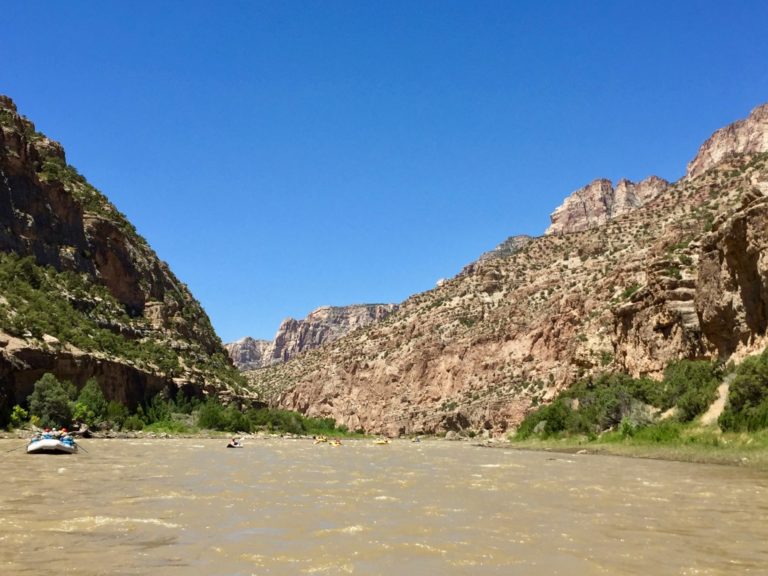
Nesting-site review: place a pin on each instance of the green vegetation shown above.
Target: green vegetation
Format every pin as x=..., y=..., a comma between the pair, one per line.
x=55, y=169
x=747, y=407
x=608, y=401
x=55, y=404
x=66, y=305
x=622, y=415
x=91, y=406
x=51, y=401
x=629, y=290
x=668, y=441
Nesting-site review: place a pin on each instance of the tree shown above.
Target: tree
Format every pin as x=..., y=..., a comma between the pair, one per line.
x=51, y=401
x=93, y=402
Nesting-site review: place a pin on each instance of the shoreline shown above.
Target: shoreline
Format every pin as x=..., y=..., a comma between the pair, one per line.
x=755, y=458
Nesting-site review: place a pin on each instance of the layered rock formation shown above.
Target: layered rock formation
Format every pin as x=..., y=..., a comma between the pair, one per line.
x=123, y=316
x=748, y=136
x=630, y=281
x=599, y=202
x=321, y=326
x=249, y=353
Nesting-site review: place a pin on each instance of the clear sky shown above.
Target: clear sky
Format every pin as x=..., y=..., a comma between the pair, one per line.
x=285, y=155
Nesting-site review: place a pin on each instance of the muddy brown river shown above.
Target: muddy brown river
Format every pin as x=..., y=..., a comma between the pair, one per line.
x=168, y=507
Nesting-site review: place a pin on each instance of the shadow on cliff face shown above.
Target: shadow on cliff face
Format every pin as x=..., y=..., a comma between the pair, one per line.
x=732, y=293
x=454, y=422
x=119, y=382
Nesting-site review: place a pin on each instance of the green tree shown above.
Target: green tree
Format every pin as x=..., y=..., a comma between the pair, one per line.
x=747, y=407
x=51, y=401
x=93, y=402
x=211, y=415
x=116, y=413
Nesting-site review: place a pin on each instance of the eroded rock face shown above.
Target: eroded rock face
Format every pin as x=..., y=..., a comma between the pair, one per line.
x=732, y=293
x=248, y=353
x=599, y=202
x=635, y=277
x=321, y=326
x=748, y=136
x=50, y=213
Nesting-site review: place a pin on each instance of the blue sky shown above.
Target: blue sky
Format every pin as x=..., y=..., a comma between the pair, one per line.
x=286, y=155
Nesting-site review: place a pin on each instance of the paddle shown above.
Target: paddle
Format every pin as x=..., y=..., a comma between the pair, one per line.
x=81, y=447
x=14, y=449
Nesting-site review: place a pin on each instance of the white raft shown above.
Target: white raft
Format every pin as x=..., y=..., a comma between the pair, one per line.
x=51, y=446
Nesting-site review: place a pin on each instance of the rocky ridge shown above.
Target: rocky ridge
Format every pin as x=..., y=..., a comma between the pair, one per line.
x=249, y=353
x=321, y=326
x=598, y=202
x=748, y=136
x=83, y=295
x=680, y=274
x=506, y=248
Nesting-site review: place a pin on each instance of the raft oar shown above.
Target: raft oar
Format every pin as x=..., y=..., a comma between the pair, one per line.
x=14, y=449
x=81, y=447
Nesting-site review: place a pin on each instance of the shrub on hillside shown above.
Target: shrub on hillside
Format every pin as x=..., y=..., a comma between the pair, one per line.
x=747, y=407
x=691, y=385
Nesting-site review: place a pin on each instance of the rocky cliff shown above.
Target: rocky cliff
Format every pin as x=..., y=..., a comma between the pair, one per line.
x=628, y=279
x=249, y=353
x=507, y=248
x=599, y=202
x=748, y=136
x=81, y=293
x=321, y=326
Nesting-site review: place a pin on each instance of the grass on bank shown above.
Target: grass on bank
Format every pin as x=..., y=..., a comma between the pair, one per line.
x=665, y=441
x=618, y=414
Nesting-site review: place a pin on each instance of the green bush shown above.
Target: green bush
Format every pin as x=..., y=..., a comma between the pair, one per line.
x=133, y=422
x=159, y=409
x=91, y=402
x=556, y=416
x=691, y=385
x=81, y=413
x=51, y=401
x=747, y=407
x=613, y=401
x=19, y=416
x=211, y=415
x=116, y=413
x=665, y=431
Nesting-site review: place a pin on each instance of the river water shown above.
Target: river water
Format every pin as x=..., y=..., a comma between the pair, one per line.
x=189, y=506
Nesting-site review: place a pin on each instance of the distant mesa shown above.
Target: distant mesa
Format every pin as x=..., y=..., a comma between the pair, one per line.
x=321, y=326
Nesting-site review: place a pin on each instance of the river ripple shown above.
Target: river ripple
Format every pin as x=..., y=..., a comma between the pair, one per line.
x=167, y=507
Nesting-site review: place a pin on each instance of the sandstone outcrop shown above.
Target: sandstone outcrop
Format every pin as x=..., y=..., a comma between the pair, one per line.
x=748, y=136
x=628, y=280
x=321, y=326
x=249, y=353
x=599, y=202
x=140, y=328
